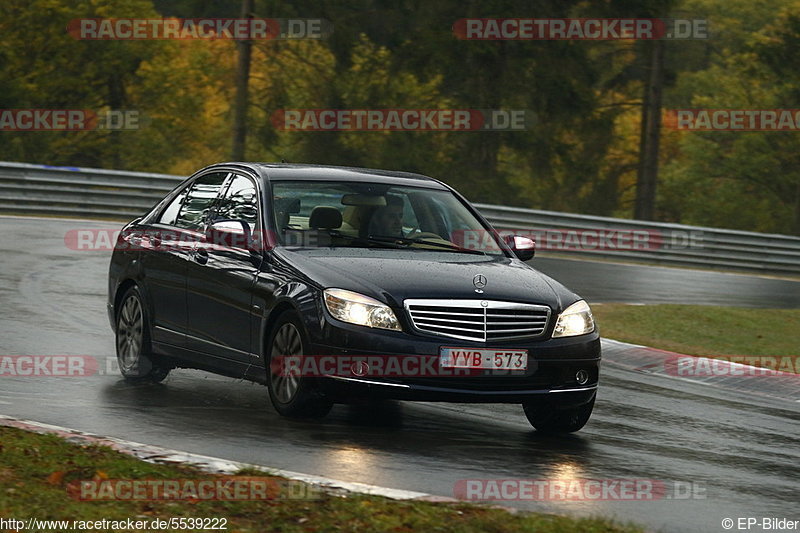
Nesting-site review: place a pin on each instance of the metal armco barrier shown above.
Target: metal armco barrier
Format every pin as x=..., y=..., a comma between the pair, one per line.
x=659, y=242
x=111, y=194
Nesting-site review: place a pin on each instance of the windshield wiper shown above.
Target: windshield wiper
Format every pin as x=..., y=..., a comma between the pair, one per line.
x=359, y=240
x=407, y=241
x=387, y=243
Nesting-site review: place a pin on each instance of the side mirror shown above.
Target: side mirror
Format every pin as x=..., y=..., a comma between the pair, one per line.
x=230, y=233
x=523, y=247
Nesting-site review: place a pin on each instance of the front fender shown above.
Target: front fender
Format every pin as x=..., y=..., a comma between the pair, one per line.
x=302, y=298
x=122, y=270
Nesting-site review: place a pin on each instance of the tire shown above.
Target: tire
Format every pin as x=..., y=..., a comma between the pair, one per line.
x=137, y=363
x=292, y=396
x=547, y=419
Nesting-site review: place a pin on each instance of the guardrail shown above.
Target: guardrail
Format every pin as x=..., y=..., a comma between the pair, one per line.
x=663, y=243
x=111, y=194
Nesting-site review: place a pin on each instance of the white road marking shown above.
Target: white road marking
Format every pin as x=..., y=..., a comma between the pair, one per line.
x=215, y=465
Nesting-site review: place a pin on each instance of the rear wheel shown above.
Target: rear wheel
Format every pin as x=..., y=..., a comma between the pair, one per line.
x=548, y=419
x=134, y=355
x=292, y=396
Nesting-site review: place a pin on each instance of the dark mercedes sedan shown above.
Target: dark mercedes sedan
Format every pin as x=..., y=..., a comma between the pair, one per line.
x=333, y=284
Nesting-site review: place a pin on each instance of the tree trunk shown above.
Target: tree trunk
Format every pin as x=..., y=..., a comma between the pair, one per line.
x=242, y=79
x=116, y=102
x=647, y=177
x=796, y=228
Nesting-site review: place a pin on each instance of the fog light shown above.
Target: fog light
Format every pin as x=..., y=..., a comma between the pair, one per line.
x=359, y=368
x=582, y=377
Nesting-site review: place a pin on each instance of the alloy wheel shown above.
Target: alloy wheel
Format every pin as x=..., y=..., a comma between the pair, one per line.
x=287, y=342
x=130, y=329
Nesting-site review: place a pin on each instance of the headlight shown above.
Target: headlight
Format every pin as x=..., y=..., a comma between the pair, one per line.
x=355, y=308
x=575, y=320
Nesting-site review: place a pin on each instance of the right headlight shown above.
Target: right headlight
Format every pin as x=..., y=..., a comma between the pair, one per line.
x=355, y=308
x=575, y=320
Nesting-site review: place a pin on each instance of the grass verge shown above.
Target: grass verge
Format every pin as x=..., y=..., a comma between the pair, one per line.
x=36, y=471
x=703, y=330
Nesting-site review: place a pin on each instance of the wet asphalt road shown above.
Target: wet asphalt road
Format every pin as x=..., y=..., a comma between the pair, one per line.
x=740, y=452
x=614, y=282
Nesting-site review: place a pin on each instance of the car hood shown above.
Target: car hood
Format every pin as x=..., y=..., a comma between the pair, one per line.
x=392, y=276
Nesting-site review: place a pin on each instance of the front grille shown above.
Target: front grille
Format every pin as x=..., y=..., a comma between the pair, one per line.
x=478, y=320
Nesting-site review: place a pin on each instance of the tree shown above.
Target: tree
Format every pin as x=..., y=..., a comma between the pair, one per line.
x=244, y=49
x=740, y=180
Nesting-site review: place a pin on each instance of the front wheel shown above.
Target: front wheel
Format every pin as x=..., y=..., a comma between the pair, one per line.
x=136, y=361
x=548, y=419
x=292, y=396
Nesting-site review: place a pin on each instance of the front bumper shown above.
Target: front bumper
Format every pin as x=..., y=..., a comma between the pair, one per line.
x=550, y=377
x=344, y=389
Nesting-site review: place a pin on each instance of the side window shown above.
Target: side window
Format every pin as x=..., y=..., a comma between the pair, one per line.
x=199, y=200
x=240, y=202
x=170, y=214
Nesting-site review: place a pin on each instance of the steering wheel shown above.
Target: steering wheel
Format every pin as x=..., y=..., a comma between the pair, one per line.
x=413, y=230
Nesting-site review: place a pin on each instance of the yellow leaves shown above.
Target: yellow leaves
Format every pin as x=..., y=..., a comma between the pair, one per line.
x=295, y=72
x=56, y=477
x=6, y=475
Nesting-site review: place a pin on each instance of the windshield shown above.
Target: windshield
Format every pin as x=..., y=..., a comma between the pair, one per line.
x=341, y=214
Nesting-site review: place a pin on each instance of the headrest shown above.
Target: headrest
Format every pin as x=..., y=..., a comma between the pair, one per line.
x=325, y=217
x=287, y=205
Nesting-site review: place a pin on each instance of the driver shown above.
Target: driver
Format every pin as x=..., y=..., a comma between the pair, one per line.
x=387, y=221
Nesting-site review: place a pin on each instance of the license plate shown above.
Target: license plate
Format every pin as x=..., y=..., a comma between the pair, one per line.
x=486, y=358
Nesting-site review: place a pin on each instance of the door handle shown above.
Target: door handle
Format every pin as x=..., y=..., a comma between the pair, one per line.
x=201, y=256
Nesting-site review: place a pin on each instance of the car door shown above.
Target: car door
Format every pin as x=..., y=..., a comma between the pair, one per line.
x=170, y=241
x=220, y=281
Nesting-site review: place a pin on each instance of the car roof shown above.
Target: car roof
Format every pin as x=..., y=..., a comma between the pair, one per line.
x=306, y=172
